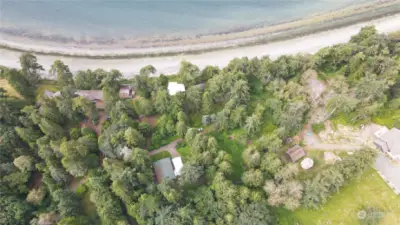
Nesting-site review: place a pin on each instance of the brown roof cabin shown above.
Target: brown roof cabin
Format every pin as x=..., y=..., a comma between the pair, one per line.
x=295, y=153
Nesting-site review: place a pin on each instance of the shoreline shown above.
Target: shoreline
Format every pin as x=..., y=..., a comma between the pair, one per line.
x=170, y=64
x=208, y=43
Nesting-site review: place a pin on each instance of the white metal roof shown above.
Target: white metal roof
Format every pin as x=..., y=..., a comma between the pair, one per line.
x=177, y=165
x=174, y=87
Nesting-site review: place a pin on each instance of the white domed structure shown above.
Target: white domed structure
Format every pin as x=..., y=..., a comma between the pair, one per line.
x=307, y=163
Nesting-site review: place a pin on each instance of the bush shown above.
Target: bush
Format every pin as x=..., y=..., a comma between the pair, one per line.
x=81, y=189
x=92, y=161
x=318, y=127
x=75, y=133
x=370, y=216
x=105, y=125
x=145, y=129
x=36, y=196
x=181, y=144
x=86, y=131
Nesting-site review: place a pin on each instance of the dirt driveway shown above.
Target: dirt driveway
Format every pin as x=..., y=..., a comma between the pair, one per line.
x=171, y=148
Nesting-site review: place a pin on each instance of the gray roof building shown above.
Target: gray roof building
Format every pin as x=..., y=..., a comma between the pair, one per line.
x=389, y=142
x=163, y=169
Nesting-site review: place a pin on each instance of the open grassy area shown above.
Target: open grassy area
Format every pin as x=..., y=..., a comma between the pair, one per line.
x=388, y=117
x=328, y=74
x=235, y=149
x=184, y=151
x=318, y=127
x=160, y=155
x=368, y=191
x=163, y=142
x=44, y=85
x=319, y=163
x=9, y=89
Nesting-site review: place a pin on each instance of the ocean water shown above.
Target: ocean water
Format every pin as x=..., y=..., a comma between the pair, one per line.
x=119, y=19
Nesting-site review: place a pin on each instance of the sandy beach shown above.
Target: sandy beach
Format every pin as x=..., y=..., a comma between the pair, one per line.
x=170, y=64
x=137, y=47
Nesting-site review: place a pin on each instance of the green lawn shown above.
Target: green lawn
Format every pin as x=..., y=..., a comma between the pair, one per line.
x=318, y=127
x=163, y=142
x=160, y=155
x=388, y=117
x=44, y=85
x=184, y=151
x=235, y=149
x=319, y=163
x=325, y=74
x=368, y=191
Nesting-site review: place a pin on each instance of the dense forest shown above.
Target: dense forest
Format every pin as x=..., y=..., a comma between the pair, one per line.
x=56, y=170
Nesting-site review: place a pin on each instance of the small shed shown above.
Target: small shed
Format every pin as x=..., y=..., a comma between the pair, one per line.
x=174, y=87
x=163, y=169
x=177, y=162
x=126, y=91
x=295, y=153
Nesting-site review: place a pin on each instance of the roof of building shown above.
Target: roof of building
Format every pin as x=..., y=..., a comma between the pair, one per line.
x=163, y=169
x=307, y=163
x=392, y=139
x=177, y=161
x=174, y=87
x=48, y=93
x=381, y=131
x=91, y=94
x=295, y=153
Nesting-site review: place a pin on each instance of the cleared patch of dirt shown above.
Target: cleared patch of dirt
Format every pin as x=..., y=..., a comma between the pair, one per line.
x=151, y=120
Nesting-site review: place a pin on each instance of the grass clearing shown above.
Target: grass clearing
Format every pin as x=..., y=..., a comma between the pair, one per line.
x=235, y=149
x=368, y=191
x=184, y=151
x=10, y=91
x=49, y=85
x=326, y=75
x=163, y=142
x=160, y=155
x=319, y=163
x=388, y=117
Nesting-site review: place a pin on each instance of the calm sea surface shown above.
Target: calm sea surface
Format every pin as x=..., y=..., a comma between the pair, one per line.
x=132, y=18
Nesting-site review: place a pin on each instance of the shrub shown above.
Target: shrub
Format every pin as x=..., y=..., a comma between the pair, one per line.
x=145, y=129
x=81, y=189
x=36, y=196
x=370, y=216
x=318, y=127
x=86, y=131
x=75, y=133
x=92, y=160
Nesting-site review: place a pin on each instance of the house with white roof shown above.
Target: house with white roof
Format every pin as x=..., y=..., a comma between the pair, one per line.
x=175, y=87
x=177, y=162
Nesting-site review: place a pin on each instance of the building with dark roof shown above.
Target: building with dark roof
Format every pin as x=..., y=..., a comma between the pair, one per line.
x=295, y=153
x=163, y=169
x=389, y=143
